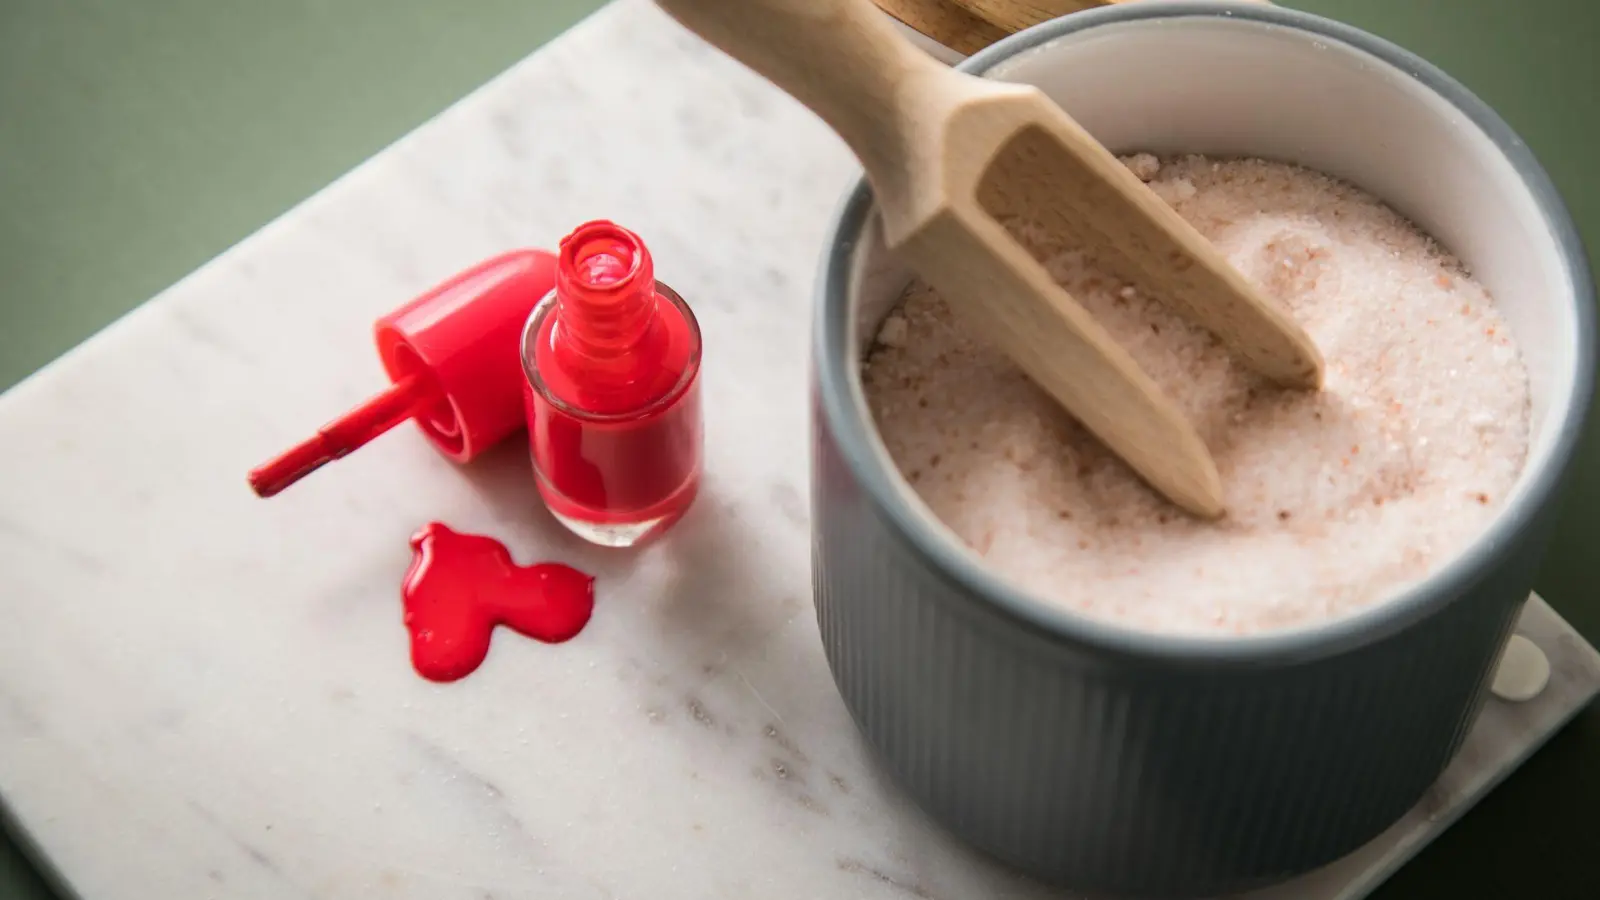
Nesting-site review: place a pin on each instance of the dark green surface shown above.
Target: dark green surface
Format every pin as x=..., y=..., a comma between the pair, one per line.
x=138, y=138
x=18, y=881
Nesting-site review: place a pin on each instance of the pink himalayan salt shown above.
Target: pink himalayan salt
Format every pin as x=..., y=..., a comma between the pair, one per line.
x=1335, y=499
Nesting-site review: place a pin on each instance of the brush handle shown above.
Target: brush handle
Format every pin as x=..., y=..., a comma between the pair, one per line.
x=345, y=435
x=841, y=58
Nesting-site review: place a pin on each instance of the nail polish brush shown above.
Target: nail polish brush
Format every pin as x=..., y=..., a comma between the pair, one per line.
x=453, y=361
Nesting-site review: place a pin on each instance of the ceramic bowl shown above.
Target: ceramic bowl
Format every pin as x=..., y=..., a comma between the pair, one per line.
x=1117, y=761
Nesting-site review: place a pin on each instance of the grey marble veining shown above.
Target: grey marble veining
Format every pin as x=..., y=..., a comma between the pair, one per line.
x=207, y=695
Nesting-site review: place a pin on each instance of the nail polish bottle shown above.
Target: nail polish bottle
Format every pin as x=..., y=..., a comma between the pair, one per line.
x=612, y=359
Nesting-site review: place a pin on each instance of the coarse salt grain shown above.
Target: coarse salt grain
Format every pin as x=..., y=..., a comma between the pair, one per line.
x=1144, y=165
x=893, y=332
x=1335, y=499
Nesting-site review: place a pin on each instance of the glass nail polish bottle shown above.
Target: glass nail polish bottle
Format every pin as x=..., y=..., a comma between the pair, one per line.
x=612, y=365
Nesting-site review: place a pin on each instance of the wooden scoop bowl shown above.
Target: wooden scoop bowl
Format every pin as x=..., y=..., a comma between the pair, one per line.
x=949, y=156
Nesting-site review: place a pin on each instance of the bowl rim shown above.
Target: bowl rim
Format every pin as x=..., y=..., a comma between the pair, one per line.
x=852, y=434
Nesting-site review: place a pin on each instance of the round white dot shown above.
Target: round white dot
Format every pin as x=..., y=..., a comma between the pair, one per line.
x=1524, y=671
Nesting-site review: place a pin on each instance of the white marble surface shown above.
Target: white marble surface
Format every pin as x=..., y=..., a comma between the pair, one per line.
x=207, y=695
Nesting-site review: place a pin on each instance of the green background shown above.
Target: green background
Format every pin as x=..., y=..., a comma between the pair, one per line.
x=139, y=138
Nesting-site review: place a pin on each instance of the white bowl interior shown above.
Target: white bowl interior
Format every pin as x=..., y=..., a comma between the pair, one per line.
x=1233, y=87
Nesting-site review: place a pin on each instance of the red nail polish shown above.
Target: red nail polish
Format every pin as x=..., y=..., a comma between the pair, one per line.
x=612, y=359
x=460, y=587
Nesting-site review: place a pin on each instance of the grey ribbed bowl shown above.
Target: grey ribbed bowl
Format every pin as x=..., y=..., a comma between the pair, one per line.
x=1129, y=763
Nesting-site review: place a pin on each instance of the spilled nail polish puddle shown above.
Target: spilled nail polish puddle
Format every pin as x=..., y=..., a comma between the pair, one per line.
x=460, y=586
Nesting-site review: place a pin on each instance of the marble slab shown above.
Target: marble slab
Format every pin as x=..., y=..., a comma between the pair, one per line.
x=207, y=695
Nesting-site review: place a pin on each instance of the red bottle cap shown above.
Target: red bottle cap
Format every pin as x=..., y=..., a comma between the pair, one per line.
x=454, y=357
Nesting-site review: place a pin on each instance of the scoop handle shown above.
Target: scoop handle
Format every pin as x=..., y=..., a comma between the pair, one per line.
x=843, y=59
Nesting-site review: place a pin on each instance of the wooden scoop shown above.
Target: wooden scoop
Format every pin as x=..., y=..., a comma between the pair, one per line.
x=947, y=22
x=1015, y=15
x=948, y=155
x=967, y=26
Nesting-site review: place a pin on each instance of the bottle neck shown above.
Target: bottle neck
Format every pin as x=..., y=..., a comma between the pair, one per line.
x=605, y=294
